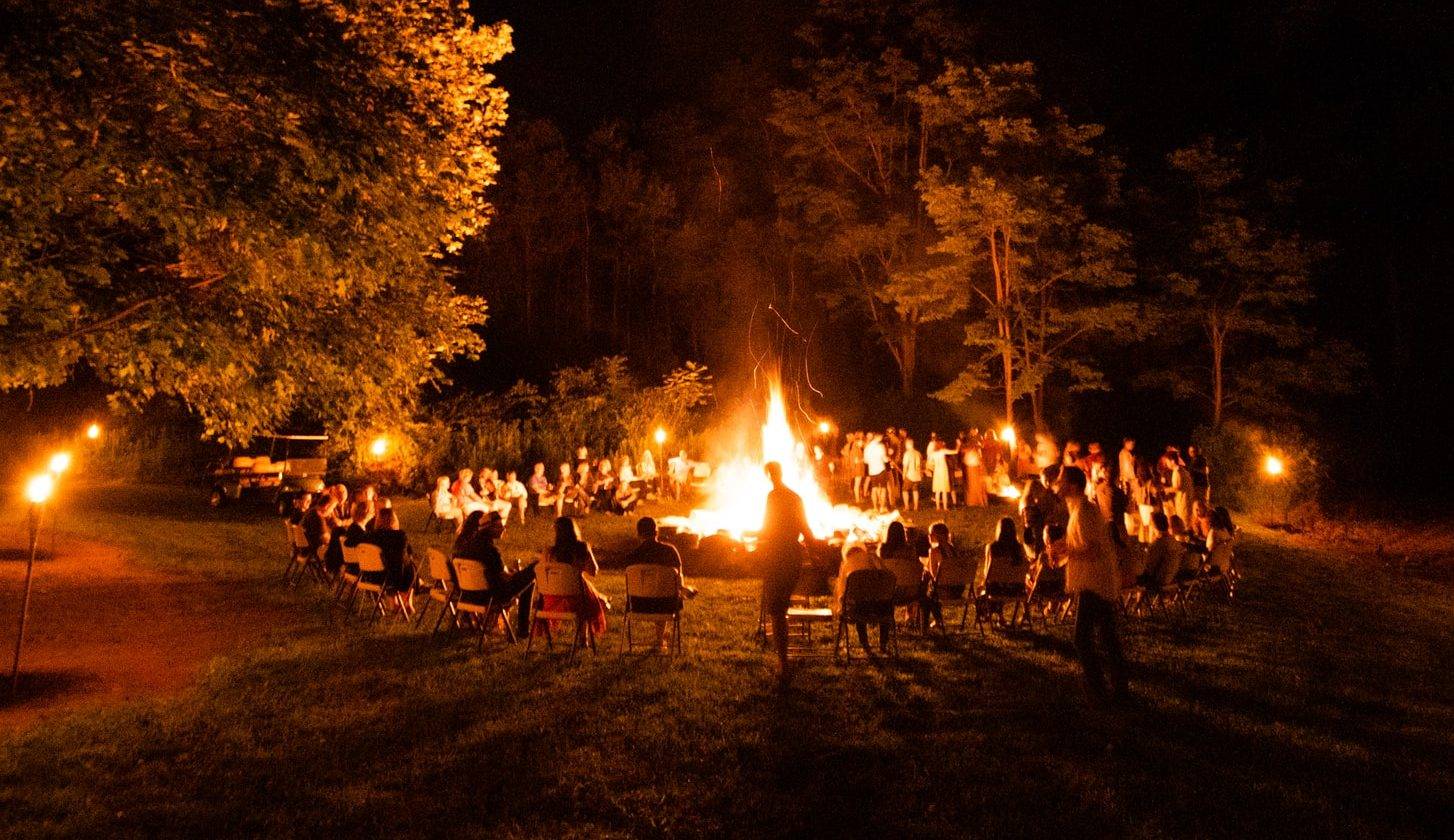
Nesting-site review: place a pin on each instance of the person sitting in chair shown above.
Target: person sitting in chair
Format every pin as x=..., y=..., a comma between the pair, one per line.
x=946, y=562
x=653, y=552
x=1164, y=557
x=570, y=549
x=400, y=570
x=504, y=586
x=1004, y=571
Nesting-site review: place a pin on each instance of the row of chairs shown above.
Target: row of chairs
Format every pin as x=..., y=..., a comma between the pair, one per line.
x=460, y=590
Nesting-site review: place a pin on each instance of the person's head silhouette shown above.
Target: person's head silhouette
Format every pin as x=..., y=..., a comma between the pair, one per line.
x=774, y=472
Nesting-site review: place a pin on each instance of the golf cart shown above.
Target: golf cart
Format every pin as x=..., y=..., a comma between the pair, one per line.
x=277, y=468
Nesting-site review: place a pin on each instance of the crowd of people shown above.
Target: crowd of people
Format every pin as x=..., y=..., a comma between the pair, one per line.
x=330, y=522
x=1095, y=532
x=576, y=489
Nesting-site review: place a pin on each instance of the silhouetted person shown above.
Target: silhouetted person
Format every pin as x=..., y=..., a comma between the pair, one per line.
x=781, y=556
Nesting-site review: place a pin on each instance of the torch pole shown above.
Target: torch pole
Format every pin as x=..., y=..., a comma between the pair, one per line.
x=25, y=599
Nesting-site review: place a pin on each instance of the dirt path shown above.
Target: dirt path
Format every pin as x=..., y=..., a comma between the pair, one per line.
x=103, y=631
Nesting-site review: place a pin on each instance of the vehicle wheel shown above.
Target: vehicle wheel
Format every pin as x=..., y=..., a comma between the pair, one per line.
x=218, y=498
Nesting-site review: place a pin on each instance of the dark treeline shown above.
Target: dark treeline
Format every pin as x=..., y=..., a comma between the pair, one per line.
x=947, y=202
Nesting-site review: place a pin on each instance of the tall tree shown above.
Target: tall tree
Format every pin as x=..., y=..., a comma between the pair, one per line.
x=241, y=205
x=1022, y=219
x=1238, y=276
x=857, y=144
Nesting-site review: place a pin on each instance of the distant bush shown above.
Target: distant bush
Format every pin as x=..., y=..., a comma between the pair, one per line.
x=600, y=406
x=1237, y=452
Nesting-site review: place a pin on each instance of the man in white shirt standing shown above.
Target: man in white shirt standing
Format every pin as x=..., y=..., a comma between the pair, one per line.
x=1093, y=573
x=1126, y=465
x=875, y=461
x=913, y=466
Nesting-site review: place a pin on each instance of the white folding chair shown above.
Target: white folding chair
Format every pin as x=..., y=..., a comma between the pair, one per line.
x=650, y=581
x=954, y=577
x=474, y=598
x=559, y=580
x=441, y=589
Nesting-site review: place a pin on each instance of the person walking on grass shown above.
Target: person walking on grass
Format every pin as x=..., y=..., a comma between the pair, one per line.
x=1093, y=573
x=784, y=524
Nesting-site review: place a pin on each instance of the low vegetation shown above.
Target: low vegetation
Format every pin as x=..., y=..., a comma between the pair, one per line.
x=1319, y=704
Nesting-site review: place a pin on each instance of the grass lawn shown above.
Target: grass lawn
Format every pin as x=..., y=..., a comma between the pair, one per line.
x=1322, y=703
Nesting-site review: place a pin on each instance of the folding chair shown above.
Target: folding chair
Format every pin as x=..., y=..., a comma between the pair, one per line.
x=474, y=598
x=952, y=577
x=304, y=560
x=371, y=579
x=441, y=589
x=868, y=598
x=649, y=581
x=559, y=580
x=347, y=575
x=802, y=612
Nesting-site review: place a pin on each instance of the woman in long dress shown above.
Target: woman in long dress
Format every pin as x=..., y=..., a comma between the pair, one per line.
x=974, y=492
x=939, y=469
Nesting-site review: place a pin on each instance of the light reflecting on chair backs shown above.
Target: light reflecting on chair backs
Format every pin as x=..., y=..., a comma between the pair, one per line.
x=438, y=565
x=561, y=579
x=471, y=575
x=370, y=558
x=645, y=580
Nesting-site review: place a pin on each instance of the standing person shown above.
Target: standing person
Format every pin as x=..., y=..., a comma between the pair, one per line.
x=857, y=468
x=784, y=523
x=680, y=468
x=1181, y=490
x=1093, y=572
x=974, y=492
x=1126, y=466
x=1201, y=474
x=875, y=463
x=913, y=465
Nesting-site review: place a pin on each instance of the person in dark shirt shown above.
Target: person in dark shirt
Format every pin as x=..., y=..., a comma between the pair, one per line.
x=780, y=554
x=504, y=586
x=653, y=552
x=302, y=503
x=400, y=569
x=317, y=524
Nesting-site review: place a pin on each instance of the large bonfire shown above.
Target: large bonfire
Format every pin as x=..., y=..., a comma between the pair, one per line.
x=737, y=490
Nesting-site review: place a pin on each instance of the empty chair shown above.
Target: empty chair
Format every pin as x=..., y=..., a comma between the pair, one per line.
x=653, y=596
x=441, y=588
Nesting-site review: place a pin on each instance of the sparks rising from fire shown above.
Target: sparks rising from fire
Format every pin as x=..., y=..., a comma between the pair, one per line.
x=737, y=491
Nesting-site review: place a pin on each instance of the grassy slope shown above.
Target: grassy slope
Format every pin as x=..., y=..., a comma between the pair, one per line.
x=1320, y=704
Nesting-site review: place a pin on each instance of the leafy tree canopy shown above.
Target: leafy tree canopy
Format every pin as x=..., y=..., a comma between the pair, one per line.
x=241, y=205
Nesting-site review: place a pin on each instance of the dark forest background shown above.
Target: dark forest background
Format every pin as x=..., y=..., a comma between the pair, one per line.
x=648, y=123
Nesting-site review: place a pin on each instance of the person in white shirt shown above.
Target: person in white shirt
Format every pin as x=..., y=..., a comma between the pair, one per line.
x=513, y=491
x=1126, y=465
x=913, y=465
x=1092, y=572
x=875, y=462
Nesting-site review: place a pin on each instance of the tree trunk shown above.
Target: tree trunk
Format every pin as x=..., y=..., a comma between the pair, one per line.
x=1218, y=391
x=1037, y=407
x=909, y=358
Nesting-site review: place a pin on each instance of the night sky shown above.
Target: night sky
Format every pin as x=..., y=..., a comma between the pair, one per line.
x=1351, y=98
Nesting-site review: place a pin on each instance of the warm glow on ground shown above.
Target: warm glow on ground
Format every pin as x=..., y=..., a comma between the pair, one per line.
x=737, y=491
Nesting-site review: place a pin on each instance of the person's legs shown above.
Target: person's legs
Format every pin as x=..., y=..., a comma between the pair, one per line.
x=1087, y=619
x=1111, y=647
x=862, y=634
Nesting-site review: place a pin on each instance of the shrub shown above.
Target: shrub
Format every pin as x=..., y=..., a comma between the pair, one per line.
x=1237, y=452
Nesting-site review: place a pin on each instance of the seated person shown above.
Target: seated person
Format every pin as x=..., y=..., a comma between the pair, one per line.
x=627, y=496
x=465, y=494
x=1164, y=557
x=1191, y=559
x=542, y=492
x=603, y=491
x=1221, y=539
x=946, y=562
x=400, y=570
x=589, y=607
x=1050, y=578
x=856, y=557
x=513, y=493
x=484, y=529
x=351, y=536
x=318, y=524
x=897, y=556
x=444, y=505
x=1004, y=571
x=339, y=492
x=369, y=494
x=653, y=552
x=300, y=507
